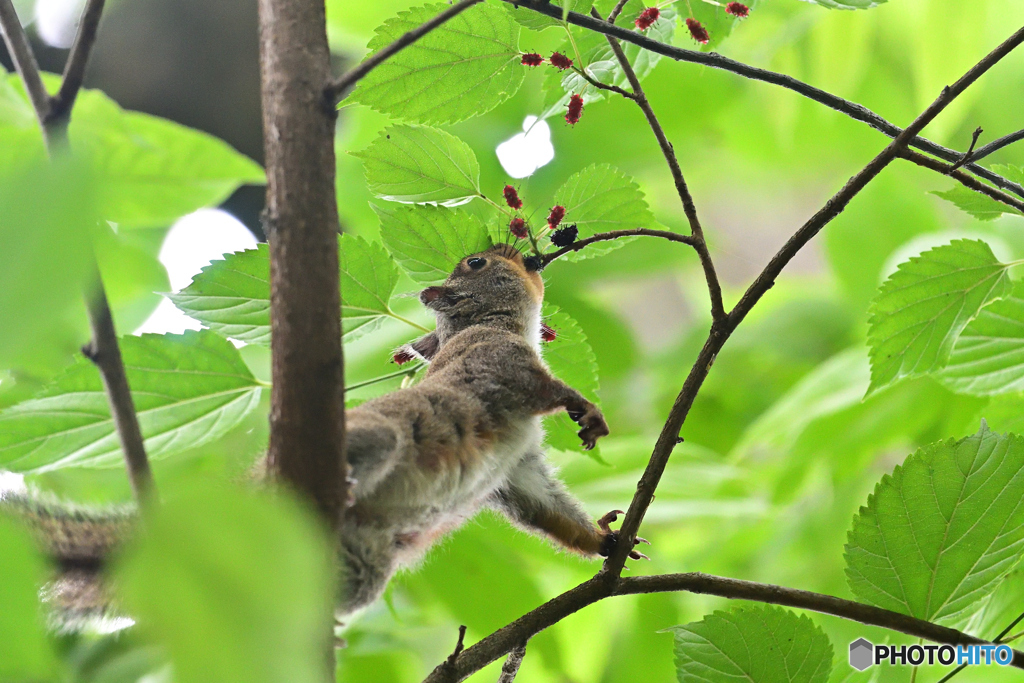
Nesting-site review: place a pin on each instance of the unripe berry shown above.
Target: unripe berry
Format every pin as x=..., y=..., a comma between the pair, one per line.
x=532, y=59
x=512, y=197
x=647, y=18
x=517, y=226
x=572, y=116
x=560, y=61
x=556, y=216
x=737, y=9
x=697, y=30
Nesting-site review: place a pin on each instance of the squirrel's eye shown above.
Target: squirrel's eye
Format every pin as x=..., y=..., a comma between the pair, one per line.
x=476, y=263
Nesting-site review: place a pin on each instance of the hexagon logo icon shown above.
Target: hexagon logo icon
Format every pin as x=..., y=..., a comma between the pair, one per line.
x=862, y=654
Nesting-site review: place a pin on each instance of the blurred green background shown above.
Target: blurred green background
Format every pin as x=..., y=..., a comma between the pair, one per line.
x=780, y=449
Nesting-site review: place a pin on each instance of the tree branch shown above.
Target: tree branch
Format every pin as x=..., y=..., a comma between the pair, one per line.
x=608, y=581
x=689, y=208
x=997, y=144
x=338, y=88
x=603, y=86
x=511, y=666
x=965, y=179
x=103, y=350
x=614, y=235
x=492, y=647
x=307, y=411
x=717, y=61
x=74, y=69
x=24, y=60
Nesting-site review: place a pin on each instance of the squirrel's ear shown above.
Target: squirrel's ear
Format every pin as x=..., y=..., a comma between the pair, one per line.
x=426, y=347
x=430, y=295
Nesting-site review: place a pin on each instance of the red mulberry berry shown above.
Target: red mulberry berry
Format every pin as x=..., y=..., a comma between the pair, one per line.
x=517, y=227
x=560, y=61
x=575, y=109
x=648, y=17
x=697, y=30
x=512, y=197
x=402, y=356
x=737, y=9
x=547, y=333
x=556, y=216
x=534, y=59
x=565, y=236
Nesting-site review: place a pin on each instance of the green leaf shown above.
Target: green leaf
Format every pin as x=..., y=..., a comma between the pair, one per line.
x=938, y=534
x=539, y=22
x=188, y=390
x=601, y=62
x=150, y=171
x=762, y=644
x=232, y=296
x=848, y=4
x=421, y=164
x=599, y=199
x=713, y=17
x=977, y=204
x=25, y=651
x=1010, y=172
x=429, y=241
x=237, y=587
x=924, y=306
x=571, y=360
x=462, y=69
x=368, y=278
x=988, y=357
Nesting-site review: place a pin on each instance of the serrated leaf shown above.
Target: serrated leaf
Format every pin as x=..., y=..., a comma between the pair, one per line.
x=988, y=357
x=368, y=278
x=420, y=164
x=924, y=306
x=235, y=586
x=463, y=68
x=762, y=644
x=188, y=390
x=599, y=199
x=978, y=205
x=848, y=4
x=232, y=296
x=601, y=62
x=572, y=360
x=428, y=241
x=539, y=22
x=939, y=533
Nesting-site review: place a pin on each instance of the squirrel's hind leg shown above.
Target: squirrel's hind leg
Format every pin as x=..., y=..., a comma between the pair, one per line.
x=534, y=499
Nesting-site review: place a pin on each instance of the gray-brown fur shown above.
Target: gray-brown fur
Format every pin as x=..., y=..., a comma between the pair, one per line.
x=426, y=458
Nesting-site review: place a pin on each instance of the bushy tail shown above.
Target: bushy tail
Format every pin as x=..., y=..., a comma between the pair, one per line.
x=79, y=541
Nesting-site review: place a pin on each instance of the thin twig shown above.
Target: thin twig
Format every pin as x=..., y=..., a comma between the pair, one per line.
x=24, y=60
x=965, y=179
x=614, y=235
x=603, y=86
x=614, y=14
x=511, y=666
x=970, y=150
x=689, y=208
x=997, y=144
x=600, y=587
x=74, y=68
x=1001, y=638
x=339, y=87
x=103, y=350
x=717, y=61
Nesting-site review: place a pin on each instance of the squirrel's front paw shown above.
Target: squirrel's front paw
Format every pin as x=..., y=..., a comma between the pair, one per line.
x=593, y=426
x=611, y=538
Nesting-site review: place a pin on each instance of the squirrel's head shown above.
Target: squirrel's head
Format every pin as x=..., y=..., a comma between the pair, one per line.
x=494, y=287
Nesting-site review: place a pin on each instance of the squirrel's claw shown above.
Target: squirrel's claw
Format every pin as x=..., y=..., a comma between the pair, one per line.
x=593, y=426
x=611, y=538
x=610, y=517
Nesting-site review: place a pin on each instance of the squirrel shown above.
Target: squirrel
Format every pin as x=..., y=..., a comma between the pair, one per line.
x=426, y=458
